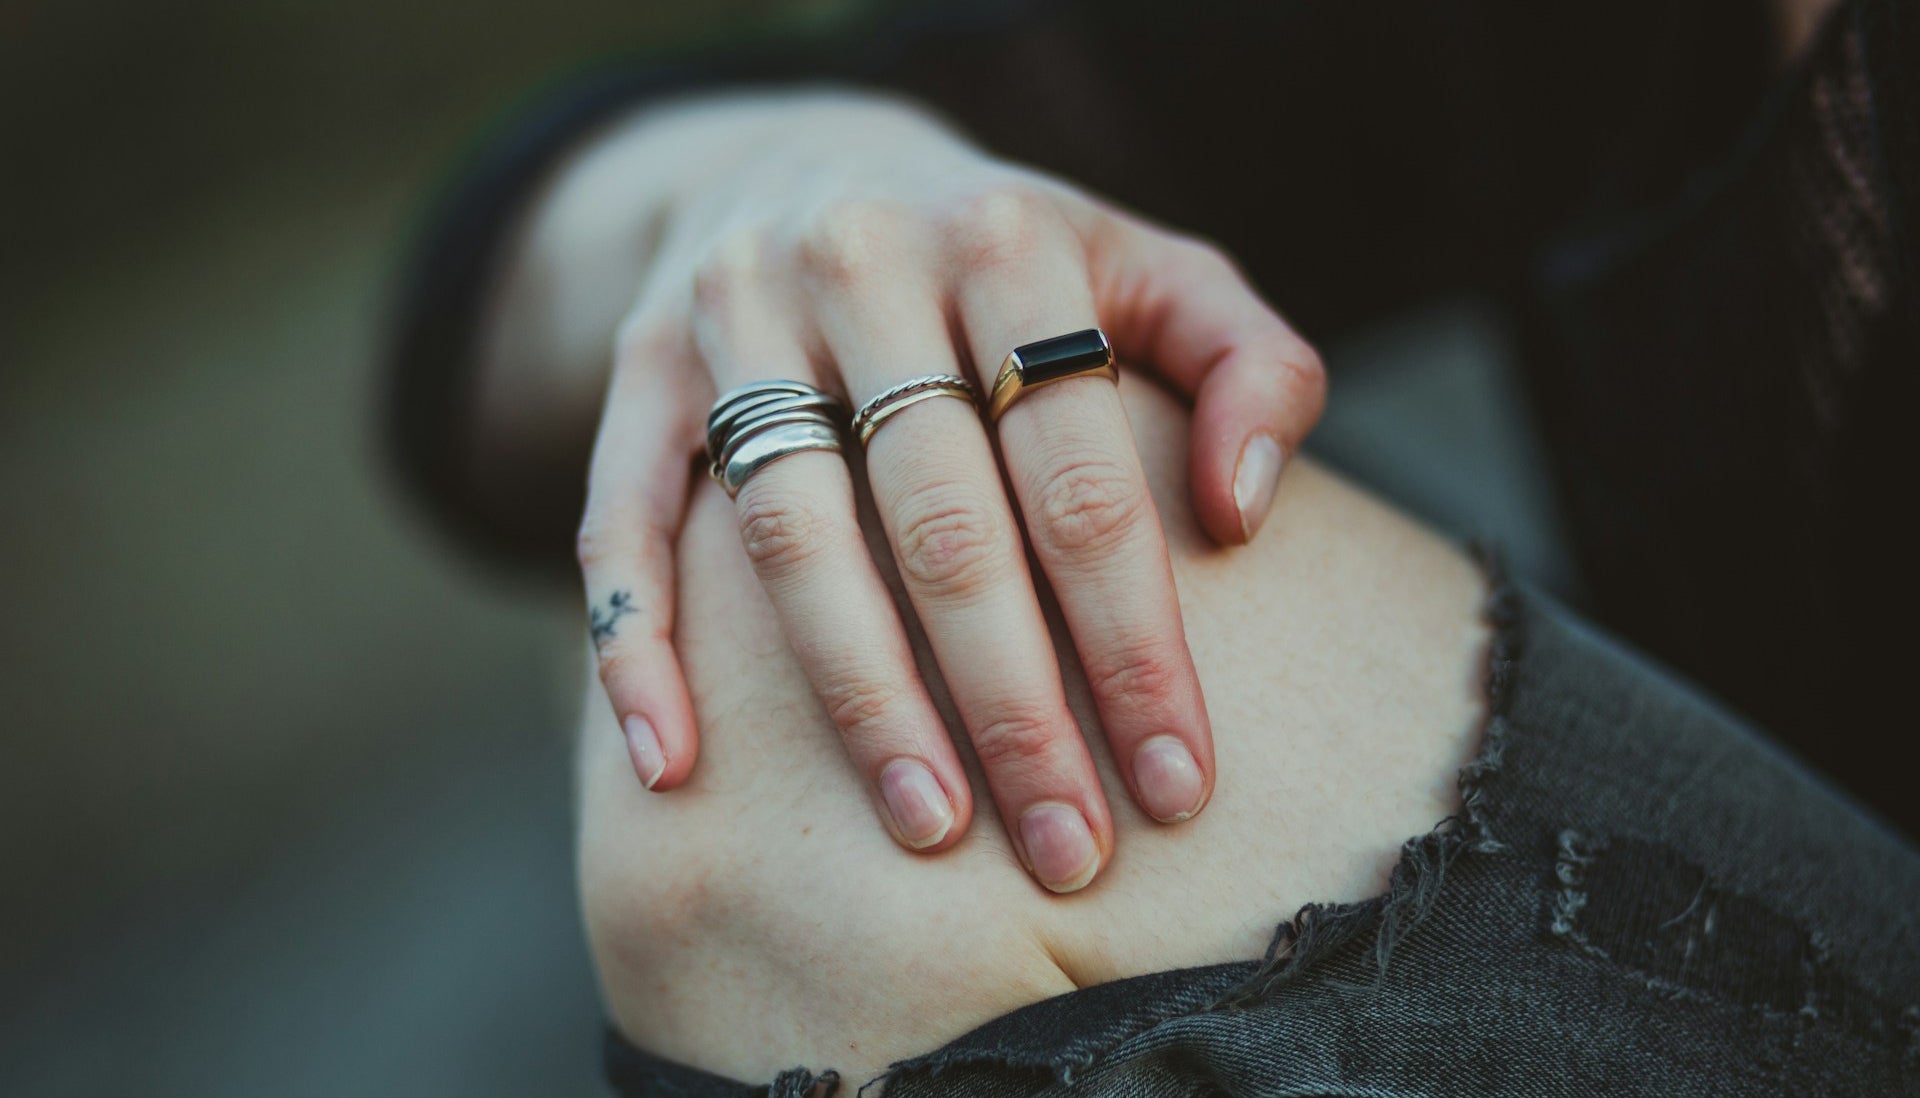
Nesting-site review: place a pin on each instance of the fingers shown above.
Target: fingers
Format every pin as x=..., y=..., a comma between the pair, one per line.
x=1257, y=387
x=937, y=488
x=800, y=529
x=636, y=495
x=1070, y=456
x=1009, y=268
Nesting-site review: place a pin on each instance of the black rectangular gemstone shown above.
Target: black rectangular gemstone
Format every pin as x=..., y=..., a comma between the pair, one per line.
x=1062, y=356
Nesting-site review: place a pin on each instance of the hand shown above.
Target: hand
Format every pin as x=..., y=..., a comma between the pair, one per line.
x=853, y=244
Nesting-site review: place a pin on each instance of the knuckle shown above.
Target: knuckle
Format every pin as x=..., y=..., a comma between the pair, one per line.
x=860, y=704
x=728, y=272
x=1305, y=369
x=1195, y=263
x=1201, y=253
x=1001, y=223
x=615, y=663
x=1020, y=738
x=1087, y=506
x=1139, y=675
x=1297, y=382
x=591, y=542
x=949, y=546
x=1201, y=265
x=780, y=531
x=644, y=338
x=852, y=243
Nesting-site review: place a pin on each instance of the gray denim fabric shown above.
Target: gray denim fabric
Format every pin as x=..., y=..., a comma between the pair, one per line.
x=1639, y=896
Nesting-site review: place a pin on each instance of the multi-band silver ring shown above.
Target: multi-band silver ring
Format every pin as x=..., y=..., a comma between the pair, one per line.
x=756, y=425
x=889, y=403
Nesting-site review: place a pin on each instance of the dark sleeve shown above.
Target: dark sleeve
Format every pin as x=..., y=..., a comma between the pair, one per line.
x=1353, y=157
x=445, y=285
x=960, y=57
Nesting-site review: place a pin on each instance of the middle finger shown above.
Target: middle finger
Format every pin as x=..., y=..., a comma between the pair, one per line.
x=939, y=494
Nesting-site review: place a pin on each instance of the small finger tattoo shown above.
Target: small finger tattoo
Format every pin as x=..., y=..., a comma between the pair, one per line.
x=601, y=619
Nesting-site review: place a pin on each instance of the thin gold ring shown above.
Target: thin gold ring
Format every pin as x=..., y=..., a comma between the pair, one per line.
x=891, y=402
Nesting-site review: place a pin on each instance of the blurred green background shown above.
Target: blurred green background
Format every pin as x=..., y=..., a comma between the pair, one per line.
x=284, y=801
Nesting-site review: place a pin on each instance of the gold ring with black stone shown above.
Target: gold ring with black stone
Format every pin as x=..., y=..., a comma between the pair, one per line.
x=1031, y=365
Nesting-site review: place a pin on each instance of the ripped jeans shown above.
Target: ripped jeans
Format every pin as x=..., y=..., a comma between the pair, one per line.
x=1638, y=896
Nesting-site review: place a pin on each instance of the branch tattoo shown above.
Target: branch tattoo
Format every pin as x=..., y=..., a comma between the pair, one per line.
x=600, y=620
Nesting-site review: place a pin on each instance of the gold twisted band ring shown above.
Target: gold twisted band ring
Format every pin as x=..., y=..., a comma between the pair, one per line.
x=891, y=402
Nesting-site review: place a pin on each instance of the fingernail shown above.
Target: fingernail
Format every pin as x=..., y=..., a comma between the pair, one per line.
x=1254, y=481
x=1168, y=779
x=922, y=814
x=644, y=744
x=1059, y=846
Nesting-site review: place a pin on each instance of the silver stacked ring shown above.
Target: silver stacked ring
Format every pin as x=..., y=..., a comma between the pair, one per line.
x=756, y=425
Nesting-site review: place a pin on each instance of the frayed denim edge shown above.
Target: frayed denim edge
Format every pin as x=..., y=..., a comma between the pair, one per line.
x=1318, y=929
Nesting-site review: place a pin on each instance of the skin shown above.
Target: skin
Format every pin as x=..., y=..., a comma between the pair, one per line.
x=762, y=922
x=854, y=243
x=1795, y=22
